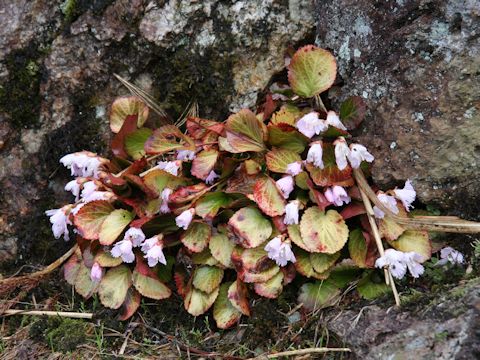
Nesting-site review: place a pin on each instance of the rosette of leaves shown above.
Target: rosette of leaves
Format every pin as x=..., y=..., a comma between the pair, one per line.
x=219, y=261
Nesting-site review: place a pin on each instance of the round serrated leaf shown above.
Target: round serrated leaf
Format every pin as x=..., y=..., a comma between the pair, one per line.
x=244, y=132
x=71, y=267
x=150, y=286
x=105, y=259
x=237, y=294
x=415, y=241
x=311, y=71
x=372, y=286
x=323, y=232
x=250, y=226
x=207, y=278
x=197, y=302
x=197, y=236
x=286, y=137
x=90, y=218
x=318, y=295
x=330, y=175
x=204, y=258
x=203, y=163
x=125, y=106
x=83, y=283
x=268, y=197
x=294, y=235
x=209, y=204
x=114, y=225
x=305, y=267
x=256, y=277
x=167, y=138
x=323, y=262
x=357, y=247
x=221, y=248
x=114, y=286
x=130, y=305
x=278, y=159
x=224, y=313
x=135, y=142
x=271, y=288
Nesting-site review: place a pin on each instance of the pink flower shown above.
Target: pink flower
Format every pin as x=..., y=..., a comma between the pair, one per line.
x=135, y=235
x=310, y=125
x=96, y=273
x=337, y=195
x=153, y=250
x=315, y=154
x=286, y=184
x=280, y=251
x=164, y=209
x=185, y=155
x=89, y=188
x=395, y=261
x=74, y=187
x=359, y=153
x=291, y=213
x=294, y=168
x=389, y=202
x=84, y=163
x=123, y=249
x=334, y=120
x=406, y=195
x=212, y=176
x=169, y=166
x=341, y=152
x=414, y=263
x=59, y=220
x=450, y=255
x=185, y=218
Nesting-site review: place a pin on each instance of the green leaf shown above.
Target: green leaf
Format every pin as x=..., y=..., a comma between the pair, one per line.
x=197, y=302
x=204, y=258
x=245, y=132
x=268, y=197
x=135, y=142
x=288, y=114
x=352, y=112
x=343, y=273
x=372, y=286
x=254, y=259
x=114, y=286
x=278, y=160
x=207, y=278
x=165, y=272
x=330, y=175
x=251, y=228
x=90, y=218
x=318, y=295
x=130, y=305
x=168, y=138
x=203, y=163
x=272, y=288
x=197, y=236
x=122, y=107
x=357, y=247
x=114, y=225
x=209, y=204
x=323, y=262
x=305, y=267
x=71, y=267
x=238, y=296
x=105, y=259
x=323, y=232
x=296, y=237
x=157, y=180
x=258, y=277
x=416, y=241
x=311, y=71
x=224, y=313
x=389, y=229
x=221, y=248
x=83, y=283
x=286, y=137
x=148, y=284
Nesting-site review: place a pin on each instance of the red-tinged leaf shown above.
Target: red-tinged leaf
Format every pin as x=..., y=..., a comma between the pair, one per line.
x=250, y=227
x=330, y=175
x=105, y=259
x=130, y=305
x=166, y=139
x=203, y=163
x=90, y=218
x=241, y=182
x=372, y=250
x=272, y=288
x=118, y=184
x=135, y=142
x=268, y=197
x=245, y=132
x=207, y=278
x=147, y=283
x=279, y=159
x=323, y=232
x=180, y=278
x=224, y=313
x=258, y=277
x=136, y=167
x=114, y=286
x=238, y=296
x=311, y=71
x=124, y=107
x=72, y=266
x=197, y=236
x=157, y=180
x=139, y=183
x=285, y=136
x=289, y=273
x=83, y=282
x=118, y=142
x=317, y=196
x=268, y=107
x=185, y=194
x=318, y=295
x=279, y=224
x=352, y=112
x=252, y=167
x=357, y=247
x=197, y=127
x=197, y=302
x=113, y=226
x=288, y=114
x=138, y=223
x=254, y=260
x=353, y=209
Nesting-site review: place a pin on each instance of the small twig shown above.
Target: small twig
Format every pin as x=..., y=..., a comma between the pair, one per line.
x=75, y=315
x=301, y=352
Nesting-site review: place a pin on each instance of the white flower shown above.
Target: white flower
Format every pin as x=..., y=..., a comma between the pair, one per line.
x=357, y=154
x=389, y=202
x=74, y=187
x=286, y=184
x=294, y=168
x=89, y=188
x=337, y=195
x=96, y=273
x=98, y=195
x=280, y=251
x=291, y=213
x=334, y=120
x=185, y=218
x=341, y=152
x=169, y=166
x=212, y=176
x=413, y=262
x=149, y=243
x=135, y=235
x=185, y=155
x=450, y=255
x=406, y=195
x=164, y=209
x=124, y=249
x=155, y=255
x=395, y=261
x=310, y=125
x=315, y=154
x=59, y=220
x=84, y=163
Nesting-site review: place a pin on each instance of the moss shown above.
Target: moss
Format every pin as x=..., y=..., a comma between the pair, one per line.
x=72, y=9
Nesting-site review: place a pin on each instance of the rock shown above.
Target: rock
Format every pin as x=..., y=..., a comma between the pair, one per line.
x=416, y=64
x=57, y=60
x=447, y=328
